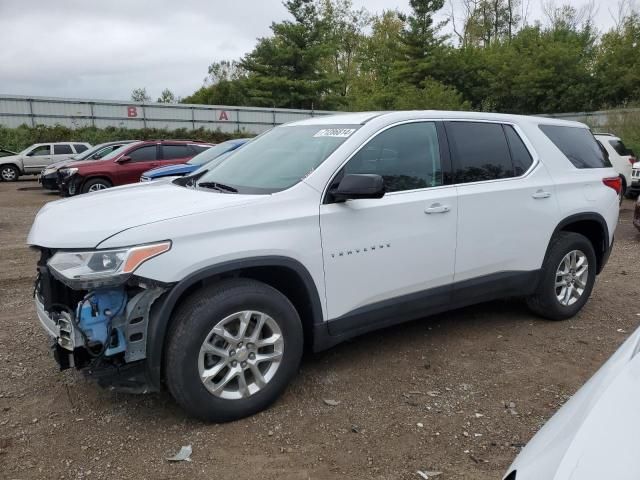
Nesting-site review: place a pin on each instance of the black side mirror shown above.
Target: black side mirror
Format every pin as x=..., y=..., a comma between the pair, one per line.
x=353, y=186
x=123, y=159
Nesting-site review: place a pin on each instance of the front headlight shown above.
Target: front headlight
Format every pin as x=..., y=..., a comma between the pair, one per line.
x=67, y=172
x=97, y=268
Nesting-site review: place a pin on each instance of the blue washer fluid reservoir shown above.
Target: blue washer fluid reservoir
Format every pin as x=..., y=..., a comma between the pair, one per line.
x=96, y=312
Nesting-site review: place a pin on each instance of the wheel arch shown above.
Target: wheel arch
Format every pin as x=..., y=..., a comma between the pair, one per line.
x=98, y=176
x=285, y=274
x=593, y=226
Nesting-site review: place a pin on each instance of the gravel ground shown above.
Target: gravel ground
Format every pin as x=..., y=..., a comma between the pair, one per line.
x=458, y=393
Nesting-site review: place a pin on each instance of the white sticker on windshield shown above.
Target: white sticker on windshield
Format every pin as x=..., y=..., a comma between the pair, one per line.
x=335, y=132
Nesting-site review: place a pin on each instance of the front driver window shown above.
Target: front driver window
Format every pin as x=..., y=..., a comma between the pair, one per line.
x=41, y=150
x=406, y=156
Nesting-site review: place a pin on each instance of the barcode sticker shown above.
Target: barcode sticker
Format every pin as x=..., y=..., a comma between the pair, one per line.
x=335, y=132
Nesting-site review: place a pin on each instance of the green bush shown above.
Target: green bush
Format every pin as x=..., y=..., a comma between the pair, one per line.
x=20, y=138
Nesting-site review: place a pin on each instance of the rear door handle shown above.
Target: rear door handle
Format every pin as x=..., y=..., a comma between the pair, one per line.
x=541, y=194
x=436, y=208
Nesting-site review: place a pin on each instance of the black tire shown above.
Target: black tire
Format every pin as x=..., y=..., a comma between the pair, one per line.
x=9, y=173
x=545, y=302
x=92, y=183
x=192, y=323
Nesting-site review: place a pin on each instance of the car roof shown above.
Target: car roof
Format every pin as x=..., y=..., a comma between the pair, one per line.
x=364, y=117
x=608, y=135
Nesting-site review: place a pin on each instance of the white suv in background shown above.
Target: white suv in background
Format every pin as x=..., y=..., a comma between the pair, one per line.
x=315, y=232
x=621, y=158
x=34, y=159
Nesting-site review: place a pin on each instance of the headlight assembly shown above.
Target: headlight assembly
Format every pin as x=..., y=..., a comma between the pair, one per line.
x=98, y=268
x=67, y=172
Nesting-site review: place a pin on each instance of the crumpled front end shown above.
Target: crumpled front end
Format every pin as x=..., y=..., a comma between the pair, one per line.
x=99, y=329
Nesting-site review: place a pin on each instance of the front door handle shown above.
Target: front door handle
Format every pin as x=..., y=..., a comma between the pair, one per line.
x=541, y=194
x=436, y=208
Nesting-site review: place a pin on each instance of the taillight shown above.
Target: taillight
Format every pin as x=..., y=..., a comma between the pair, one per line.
x=632, y=160
x=613, y=182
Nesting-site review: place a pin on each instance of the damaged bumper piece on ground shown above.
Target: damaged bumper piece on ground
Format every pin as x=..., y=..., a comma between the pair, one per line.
x=101, y=330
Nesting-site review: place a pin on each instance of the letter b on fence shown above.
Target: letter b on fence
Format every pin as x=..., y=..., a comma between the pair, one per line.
x=132, y=112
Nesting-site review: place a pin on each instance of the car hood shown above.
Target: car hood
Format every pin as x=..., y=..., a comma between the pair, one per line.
x=83, y=163
x=11, y=158
x=60, y=164
x=170, y=170
x=595, y=434
x=86, y=220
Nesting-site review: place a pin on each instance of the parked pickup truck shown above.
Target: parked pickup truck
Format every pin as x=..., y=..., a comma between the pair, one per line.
x=33, y=159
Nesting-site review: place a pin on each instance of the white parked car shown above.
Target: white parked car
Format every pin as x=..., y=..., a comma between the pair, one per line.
x=594, y=435
x=621, y=158
x=32, y=160
x=315, y=232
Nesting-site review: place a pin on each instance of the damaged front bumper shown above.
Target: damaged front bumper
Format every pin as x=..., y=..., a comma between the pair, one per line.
x=102, y=332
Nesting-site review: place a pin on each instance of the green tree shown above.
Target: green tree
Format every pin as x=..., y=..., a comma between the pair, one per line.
x=140, y=95
x=419, y=41
x=618, y=63
x=284, y=70
x=167, y=96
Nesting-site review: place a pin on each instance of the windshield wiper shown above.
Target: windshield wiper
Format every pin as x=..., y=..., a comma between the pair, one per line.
x=218, y=186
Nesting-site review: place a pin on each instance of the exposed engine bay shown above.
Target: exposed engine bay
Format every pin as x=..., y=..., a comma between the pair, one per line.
x=99, y=328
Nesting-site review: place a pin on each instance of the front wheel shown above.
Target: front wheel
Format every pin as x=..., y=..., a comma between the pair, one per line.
x=232, y=349
x=95, y=185
x=567, y=279
x=9, y=173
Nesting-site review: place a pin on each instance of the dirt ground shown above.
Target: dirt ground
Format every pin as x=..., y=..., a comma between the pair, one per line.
x=433, y=394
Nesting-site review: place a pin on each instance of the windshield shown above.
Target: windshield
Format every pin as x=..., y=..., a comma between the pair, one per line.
x=88, y=153
x=116, y=152
x=279, y=158
x=210, y=153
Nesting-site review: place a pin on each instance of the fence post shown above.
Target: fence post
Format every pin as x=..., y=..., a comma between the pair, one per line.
x=273, y=114
x=144, y=116
x=237, y=120
x=193, y=118
x=33, y=118
x=93, y=116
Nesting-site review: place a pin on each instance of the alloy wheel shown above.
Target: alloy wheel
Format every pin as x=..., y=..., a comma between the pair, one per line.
x=240, y=355
x=8, y=174
x=571, y=277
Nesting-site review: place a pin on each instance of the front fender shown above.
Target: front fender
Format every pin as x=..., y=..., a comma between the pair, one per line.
x=165, y=306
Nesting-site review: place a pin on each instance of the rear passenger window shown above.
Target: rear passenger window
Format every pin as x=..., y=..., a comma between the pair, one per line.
x=480, y=151
x=578, y=145
x=176, y=151
x=62, y=150
x=144, y=154
x=79, y=147
x=407, y=157
x=520, y=156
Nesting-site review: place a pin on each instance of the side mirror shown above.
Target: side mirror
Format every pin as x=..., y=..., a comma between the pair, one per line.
x=123, y=159
x=354, y=186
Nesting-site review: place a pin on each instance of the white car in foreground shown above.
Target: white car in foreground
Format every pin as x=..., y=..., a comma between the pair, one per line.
x=596, y=434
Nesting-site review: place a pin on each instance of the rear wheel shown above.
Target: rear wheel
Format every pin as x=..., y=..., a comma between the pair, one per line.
x=567, y=277
x=232, y=349
x=95, y=185
x=9, y=173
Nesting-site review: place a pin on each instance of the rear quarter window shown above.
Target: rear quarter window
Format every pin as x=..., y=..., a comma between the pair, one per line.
x=578, y=145
x=620, y=148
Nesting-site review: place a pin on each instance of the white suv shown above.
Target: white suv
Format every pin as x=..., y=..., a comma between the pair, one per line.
x=34, y=159
x=315, y=232
x=621, y=158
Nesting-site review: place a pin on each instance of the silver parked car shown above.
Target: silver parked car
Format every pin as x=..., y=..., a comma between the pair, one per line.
x=33, y=159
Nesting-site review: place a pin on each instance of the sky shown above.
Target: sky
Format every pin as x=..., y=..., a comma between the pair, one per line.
x=103, y=49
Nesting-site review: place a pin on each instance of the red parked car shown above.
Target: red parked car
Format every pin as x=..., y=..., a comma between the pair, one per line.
x=125, y=165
